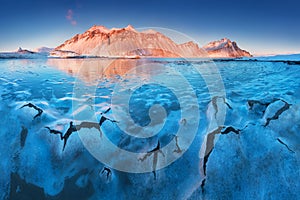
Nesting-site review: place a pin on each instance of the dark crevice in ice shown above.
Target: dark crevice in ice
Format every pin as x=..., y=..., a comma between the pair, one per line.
x=56, y=132
x=281, y=142
x=23, y=133
x=203, y=184
x=210, y=145
x=208, y=150
x=286, y=106
x=69, y=132
x=155, y=152
x=204, y=168
x=30, y=105
x=65, y=137
x=103, y=118
x=74, y=128
x=178, y=149
x=214, y=103
x=278, y=113
x=211, y=136
x=106, y=171
x=230, y=129
x=227, y=129
x=251, y=104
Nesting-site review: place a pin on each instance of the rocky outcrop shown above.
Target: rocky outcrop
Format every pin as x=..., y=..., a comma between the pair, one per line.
x=128, y=42
x=225, y=48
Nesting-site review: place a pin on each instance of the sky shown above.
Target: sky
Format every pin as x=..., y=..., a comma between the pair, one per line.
x=258, y=26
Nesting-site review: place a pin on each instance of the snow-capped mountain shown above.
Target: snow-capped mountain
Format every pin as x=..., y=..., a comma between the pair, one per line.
x=24, y=51
x=128, y=42
x=225, y=48
x=45, y=50
x=22, y=54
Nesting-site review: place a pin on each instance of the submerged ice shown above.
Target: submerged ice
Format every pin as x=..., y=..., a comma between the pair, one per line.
x=253, y=154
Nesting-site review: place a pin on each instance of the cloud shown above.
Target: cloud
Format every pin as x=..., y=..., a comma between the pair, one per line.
x=70, y=18
x=73, y=22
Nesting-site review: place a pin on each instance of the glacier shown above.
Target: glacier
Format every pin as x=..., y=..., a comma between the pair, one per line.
x=261, y=161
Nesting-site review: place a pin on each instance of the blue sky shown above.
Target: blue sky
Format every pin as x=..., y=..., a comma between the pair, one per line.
x=260, y=26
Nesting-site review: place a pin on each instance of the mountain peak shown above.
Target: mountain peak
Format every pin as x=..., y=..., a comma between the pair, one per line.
x=127, y=42
x=24, y=51
x=225, y=48
x=130, y=28
x=218, y=44
x=225, y=40
x=102, y=29
x=124, y=42
x=43, y=50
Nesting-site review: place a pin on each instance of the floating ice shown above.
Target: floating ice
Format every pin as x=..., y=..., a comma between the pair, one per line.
x=259, y=162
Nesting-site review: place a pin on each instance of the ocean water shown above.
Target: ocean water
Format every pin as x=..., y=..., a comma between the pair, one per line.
x=176, y=102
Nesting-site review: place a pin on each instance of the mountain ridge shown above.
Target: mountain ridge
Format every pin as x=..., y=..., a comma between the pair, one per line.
x=128, y=42
x=225, y=48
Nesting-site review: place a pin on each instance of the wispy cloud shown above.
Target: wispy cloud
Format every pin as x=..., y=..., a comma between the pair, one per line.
x=70, y=17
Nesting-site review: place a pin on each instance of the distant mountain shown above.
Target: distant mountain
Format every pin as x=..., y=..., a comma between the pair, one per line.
x=21, y=54
x=225, y=48
x=284, y=57
x=128, y=42
x=46, y=50
x=24, y=51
